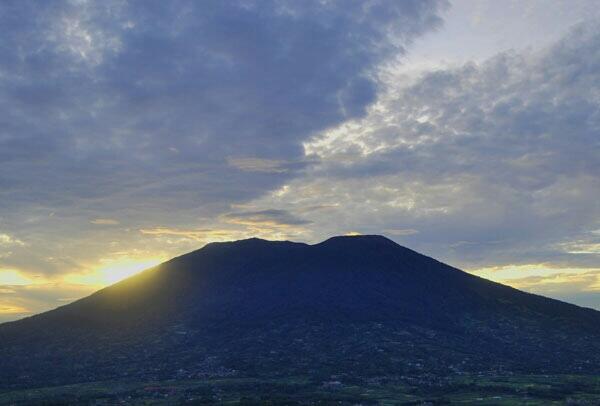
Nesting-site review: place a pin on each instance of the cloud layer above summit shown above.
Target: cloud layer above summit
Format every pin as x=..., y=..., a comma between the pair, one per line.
x=140, y=130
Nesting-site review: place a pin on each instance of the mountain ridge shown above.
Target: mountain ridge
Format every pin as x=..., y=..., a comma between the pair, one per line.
x=244, y=303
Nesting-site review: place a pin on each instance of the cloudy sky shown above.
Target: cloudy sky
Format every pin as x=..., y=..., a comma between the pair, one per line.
x=134, y=131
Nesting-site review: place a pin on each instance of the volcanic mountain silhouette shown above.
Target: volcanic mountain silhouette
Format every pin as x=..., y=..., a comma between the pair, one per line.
x=363, y=305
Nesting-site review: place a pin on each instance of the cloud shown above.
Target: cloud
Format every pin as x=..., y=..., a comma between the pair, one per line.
x=560, y=282
x=265, y=218
x=401, y=231
x=268, y=165
x=8, y=240
x=96, y=97
x=13, y=277
x=189, y=122
x=257, y=165
x=575, y=285
x=581, y=247
x=21, y=301
x=191, y=234
x=165, y=114
x=268, y=224
x=104, y=222
x=494, y=162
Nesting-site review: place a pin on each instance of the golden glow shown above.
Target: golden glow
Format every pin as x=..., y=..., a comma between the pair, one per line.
x=12, y=309
x=507, y=272
x=13, y=277
x=20, y=291
x=352, y=234
x=543, y=278
x=113, y=270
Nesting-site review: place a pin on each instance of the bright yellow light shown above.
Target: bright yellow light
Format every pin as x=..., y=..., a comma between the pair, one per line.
x=113, y=270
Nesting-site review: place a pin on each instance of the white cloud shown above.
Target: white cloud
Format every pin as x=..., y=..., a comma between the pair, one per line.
x=494, y=163
x=8, y=240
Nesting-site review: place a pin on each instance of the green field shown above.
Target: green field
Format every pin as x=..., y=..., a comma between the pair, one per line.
x=499, y=390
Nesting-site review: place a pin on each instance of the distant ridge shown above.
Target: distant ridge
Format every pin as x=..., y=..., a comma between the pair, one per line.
x=363, y=305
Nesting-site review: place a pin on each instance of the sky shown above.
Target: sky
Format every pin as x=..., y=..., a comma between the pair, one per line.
x=135, y=131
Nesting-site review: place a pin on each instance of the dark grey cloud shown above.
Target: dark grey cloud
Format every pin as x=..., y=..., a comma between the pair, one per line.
x=98, y=98
x=144, y=111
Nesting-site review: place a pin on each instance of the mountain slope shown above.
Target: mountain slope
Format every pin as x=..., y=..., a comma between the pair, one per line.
x=363, y=306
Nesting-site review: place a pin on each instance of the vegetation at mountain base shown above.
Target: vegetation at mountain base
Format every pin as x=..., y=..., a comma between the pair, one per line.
x=400, y=390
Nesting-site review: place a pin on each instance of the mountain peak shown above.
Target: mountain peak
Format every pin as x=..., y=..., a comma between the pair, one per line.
x=252, y=243
x=362, y=240
x=243, y=302
x=361, y=237
x=340, y=240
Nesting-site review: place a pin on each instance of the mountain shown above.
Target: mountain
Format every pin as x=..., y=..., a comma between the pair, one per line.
x=362, y=307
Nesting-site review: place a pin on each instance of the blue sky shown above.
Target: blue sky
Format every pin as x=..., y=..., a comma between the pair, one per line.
x=136, y=131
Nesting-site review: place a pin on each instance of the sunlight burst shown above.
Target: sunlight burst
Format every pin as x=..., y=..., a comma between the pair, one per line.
x=114, y=270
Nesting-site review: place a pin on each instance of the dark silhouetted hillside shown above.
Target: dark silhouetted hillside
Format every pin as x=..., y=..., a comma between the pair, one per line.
x=363, y=306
